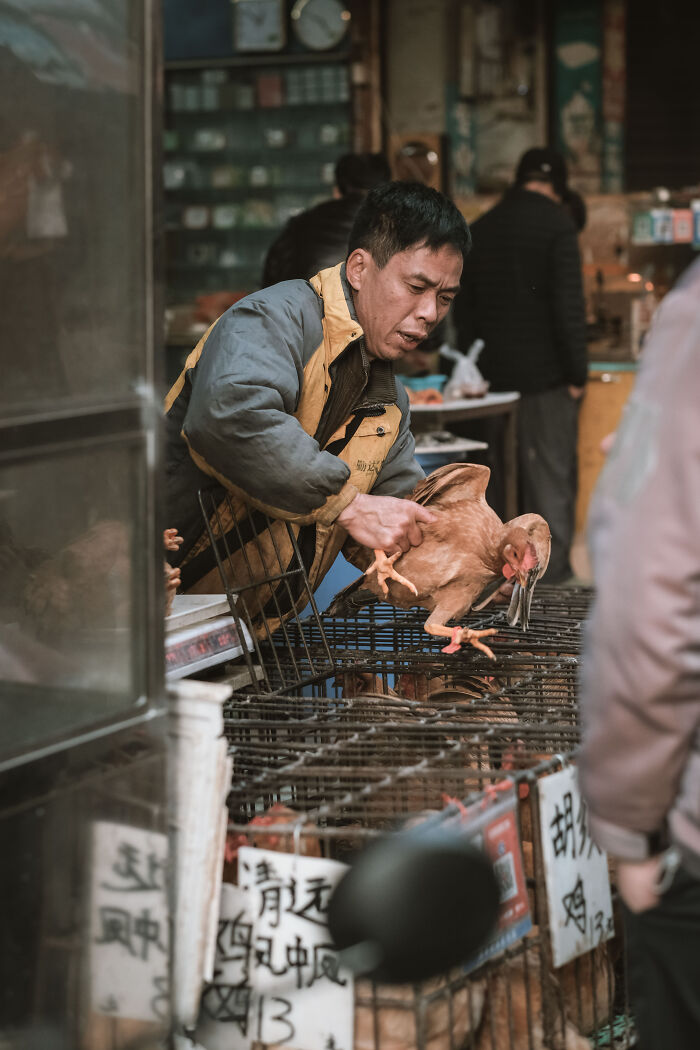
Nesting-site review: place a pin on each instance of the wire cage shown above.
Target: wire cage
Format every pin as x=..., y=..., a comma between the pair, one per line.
x=262, y=566
x=400, y=734
x=361, y=726
x=324, y=775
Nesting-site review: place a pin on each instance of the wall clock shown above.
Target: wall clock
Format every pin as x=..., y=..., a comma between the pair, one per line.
x=259, y=25
x=320, y=24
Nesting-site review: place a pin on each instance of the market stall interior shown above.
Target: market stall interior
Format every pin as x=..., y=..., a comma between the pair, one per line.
x=195, y=801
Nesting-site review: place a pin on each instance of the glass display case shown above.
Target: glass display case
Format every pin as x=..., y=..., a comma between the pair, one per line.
x=83, y=753
x=246, y=147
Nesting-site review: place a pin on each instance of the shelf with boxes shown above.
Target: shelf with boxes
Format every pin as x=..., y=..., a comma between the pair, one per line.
x=246, y=147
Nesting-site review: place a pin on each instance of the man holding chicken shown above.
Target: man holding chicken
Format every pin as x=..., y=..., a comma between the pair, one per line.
x=290, y=399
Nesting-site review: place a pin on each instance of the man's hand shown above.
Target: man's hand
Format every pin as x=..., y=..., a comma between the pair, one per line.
x=577, y=392
x=607, y=442
x=637, y=882
x=384, y=522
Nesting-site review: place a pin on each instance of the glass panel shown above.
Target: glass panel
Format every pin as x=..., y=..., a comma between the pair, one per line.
x=73, y=231
x=73, y=556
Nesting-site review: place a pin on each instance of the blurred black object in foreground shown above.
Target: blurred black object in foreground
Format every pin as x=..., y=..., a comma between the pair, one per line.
x=413, y=905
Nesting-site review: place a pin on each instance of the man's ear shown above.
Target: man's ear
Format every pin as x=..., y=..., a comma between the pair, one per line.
x=356, y=267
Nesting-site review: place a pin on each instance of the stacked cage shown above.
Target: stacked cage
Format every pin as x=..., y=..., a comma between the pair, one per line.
x=363, y=726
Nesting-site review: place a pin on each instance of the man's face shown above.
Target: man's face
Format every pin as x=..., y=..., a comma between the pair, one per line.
x=399, y=305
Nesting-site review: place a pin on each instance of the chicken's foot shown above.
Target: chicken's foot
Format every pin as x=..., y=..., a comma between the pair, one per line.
x=384, y=568
x=460, y=635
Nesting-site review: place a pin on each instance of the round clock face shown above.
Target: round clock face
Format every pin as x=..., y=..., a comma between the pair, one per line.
x=320, y=24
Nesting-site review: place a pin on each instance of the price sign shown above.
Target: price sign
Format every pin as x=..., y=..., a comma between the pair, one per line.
x=129, y=923
x=576, y=870
x=492, y=825
x=277, y=979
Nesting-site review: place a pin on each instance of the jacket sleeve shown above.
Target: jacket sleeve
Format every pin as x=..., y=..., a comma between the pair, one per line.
x=641, y=664
x=400, y=471
x=239, y=424
x=569, y=311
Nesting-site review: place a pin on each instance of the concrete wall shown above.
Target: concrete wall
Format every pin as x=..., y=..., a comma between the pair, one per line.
x=416, y=66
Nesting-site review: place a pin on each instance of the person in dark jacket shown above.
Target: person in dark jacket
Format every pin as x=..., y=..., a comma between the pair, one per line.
x=318, y=238
x=522, y=294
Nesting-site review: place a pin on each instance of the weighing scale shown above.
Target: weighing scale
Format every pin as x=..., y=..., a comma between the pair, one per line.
x=200, y=632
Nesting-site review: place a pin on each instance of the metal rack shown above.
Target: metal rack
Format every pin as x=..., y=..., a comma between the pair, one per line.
x=363, y=725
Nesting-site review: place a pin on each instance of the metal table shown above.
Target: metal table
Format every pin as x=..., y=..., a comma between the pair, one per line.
x=437, y=417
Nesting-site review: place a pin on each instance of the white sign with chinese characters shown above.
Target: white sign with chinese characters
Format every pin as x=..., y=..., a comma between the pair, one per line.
x=276, y=978
x=129, y=923
x=576, y=870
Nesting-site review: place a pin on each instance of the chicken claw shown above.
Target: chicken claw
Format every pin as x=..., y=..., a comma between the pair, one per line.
x=459, y=635
x=384, y=567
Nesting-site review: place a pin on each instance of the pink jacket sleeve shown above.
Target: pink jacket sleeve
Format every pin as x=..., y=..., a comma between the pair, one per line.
x=640, y=760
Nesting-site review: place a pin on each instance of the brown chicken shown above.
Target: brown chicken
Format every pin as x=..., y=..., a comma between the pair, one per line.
x=465, y=559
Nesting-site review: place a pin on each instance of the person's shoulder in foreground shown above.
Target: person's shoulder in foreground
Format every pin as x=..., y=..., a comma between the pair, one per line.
x=640, y=696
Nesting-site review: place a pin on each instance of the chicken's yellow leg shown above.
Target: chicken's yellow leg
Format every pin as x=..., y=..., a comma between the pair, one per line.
x=384, y=568
x=459, y=635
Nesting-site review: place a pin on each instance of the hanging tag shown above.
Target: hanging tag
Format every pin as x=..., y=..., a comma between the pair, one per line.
x=46, y=216
x=576, y=870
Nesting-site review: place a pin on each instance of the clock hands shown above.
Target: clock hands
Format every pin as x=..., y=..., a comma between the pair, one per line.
x=328, y=29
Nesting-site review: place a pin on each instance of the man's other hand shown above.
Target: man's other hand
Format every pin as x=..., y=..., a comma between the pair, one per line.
x=384, y=522
x=637, y=882
x=577, y=392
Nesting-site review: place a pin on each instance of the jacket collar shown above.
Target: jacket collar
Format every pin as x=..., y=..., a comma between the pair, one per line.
x=342, y=326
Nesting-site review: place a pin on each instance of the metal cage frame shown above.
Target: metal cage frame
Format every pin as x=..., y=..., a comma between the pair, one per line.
x=360, y=724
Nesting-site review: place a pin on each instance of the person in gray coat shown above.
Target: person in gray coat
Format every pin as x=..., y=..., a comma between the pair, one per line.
x=640, y=762
x=290, y=401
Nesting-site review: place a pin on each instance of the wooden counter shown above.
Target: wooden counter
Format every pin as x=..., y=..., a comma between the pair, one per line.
x=609, y=386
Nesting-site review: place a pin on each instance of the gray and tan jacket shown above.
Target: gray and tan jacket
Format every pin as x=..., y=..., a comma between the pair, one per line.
x=640, y=762
x=280, y=404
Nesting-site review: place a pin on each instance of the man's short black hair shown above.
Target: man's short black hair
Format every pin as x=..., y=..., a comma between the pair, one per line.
x=402, y=215
x=361, y=172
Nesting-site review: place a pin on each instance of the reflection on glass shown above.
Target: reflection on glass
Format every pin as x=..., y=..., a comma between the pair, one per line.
x=72, y=217
x=70, y=556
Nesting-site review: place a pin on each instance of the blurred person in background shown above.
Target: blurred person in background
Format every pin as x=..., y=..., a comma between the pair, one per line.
x=575, y=206
x=522, y=294
x=640, y=761
x=318, y=238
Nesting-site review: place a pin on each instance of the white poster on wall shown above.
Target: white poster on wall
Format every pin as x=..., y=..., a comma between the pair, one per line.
x=277, y=978
x=576, y=870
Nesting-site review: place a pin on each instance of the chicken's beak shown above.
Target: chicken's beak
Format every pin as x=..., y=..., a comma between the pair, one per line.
x=521, y=600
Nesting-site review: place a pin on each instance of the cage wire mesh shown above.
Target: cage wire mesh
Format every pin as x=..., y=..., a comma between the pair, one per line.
x=401, y=733
x=263, y=568
x=362, y=725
